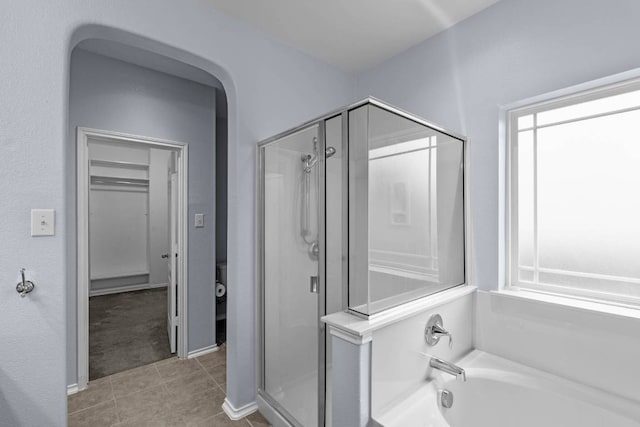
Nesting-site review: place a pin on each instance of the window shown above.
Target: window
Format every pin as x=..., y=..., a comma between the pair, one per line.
x=574, y=195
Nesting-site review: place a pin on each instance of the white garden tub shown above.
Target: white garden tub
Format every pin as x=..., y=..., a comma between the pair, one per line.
x=501, y=393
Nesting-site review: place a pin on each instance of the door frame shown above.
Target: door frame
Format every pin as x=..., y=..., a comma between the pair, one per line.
x=82, y=223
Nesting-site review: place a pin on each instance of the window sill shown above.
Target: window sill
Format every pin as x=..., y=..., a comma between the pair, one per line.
x=577, y=304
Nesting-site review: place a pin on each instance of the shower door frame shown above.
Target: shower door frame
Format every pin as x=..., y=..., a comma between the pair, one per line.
x=321, y=121
x=321, y=271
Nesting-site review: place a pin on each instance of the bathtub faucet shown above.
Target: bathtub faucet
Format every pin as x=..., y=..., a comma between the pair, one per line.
x=448, y=367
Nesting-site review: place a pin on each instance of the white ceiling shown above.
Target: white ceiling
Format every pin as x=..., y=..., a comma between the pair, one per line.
x=354, y=35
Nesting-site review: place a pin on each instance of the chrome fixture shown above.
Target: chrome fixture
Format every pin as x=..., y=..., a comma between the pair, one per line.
x=308, y=180
x=434, y=331
x=447, y=367
x=446, y=398
x=313, y=284
x=311, y=160
x=314, y=249
x=25, y=286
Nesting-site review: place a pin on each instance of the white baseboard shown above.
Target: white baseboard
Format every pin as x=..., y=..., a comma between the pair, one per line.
x=202, y=351
x=130, y=288
x=236, y=414
x=72, y=389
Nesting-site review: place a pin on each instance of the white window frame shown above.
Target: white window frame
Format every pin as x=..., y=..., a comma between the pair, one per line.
x=586, y=92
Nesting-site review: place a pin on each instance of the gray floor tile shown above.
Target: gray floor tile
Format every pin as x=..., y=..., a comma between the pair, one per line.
x=199, y=406
x=101, y=415
x=146, y=404
x=220, y=420
x=163, y=391
x=257, y=420
x=175, y=368
x=212, y=360
x=135, y=380
x=191, y=384
x=219, y=374
x=98, y=391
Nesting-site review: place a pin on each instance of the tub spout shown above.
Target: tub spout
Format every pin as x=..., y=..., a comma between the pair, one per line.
x=448, y=367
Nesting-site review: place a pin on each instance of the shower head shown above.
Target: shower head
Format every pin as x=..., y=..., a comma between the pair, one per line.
x=310, y=161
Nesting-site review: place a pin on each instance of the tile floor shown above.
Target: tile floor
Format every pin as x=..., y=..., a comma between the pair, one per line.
x=171, y=392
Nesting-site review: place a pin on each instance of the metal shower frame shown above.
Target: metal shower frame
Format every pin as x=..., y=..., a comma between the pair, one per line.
x=260, y=237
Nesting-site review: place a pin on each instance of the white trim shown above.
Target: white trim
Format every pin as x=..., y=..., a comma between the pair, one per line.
x=349, y=337
x=358, y=328
x=82, y=320
x=83, y=278
x=414, y=263
x=593, y=85
x=563, y=272
x=202, y=351
x=183, y=273
x=129, y=288
x=468, y=214
x=72, y=389
x=508, y=243
x=238, y=413
x=569, y=302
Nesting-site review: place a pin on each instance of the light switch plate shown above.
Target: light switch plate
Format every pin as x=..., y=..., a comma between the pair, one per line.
x=42, y=222
x=199, y=220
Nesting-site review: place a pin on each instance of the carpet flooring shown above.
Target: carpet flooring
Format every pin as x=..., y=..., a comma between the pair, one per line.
x=127, y=330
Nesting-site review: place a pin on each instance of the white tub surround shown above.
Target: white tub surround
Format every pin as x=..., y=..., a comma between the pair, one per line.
x=501, y=393
x=380, y=361
x=592, y=344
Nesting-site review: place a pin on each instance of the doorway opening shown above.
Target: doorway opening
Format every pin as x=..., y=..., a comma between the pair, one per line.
x=132, y=251
x=145, y=102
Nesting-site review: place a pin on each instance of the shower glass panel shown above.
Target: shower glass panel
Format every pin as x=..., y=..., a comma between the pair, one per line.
x=291, y=278
x=406, y=219
x=359, y=211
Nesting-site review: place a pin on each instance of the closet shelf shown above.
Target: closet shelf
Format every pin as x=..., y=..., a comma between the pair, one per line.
x=119, y=275
x=118, y=164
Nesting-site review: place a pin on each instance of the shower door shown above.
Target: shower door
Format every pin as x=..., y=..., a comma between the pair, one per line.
x=292, y=292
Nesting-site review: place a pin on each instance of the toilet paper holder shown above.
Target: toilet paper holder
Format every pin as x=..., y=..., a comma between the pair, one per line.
x=221, y=290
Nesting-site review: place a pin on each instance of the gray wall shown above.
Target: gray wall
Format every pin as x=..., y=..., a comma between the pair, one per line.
x=113, y=95
x=513, y=50
x=270, y=87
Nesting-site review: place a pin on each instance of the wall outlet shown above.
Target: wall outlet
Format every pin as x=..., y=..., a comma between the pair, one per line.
x=199, y=220
x=42, y=222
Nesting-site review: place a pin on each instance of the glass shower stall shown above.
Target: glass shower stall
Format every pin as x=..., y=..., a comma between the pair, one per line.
x=359, y=211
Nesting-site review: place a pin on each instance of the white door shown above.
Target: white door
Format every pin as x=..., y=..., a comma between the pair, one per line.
x=172, y=290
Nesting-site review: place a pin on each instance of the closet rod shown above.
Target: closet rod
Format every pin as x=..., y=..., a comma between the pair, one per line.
x=107, y=180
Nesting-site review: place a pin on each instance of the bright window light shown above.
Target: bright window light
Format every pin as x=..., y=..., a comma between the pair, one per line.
x=574, y=199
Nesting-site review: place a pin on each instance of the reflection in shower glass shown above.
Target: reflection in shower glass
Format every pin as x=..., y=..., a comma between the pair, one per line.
x=360, y=211
x=291, y=316
x=406, y=210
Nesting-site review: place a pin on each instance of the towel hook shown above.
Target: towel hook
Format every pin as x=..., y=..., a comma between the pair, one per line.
x=26, y=286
